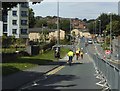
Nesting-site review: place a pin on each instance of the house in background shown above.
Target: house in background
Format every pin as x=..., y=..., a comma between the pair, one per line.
x=76, y=31
x=54, y=35
x=37, y=34
x=78, y=24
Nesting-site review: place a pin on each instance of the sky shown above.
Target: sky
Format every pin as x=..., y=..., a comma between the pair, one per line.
x=74, y=9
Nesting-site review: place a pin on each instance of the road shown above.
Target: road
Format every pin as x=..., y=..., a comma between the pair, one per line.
x=78, y=76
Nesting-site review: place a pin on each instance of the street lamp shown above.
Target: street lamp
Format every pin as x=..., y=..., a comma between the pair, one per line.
x=110, y=32
x=105, y=38
x=95, y=28
x=99, y=27
x=58, y=39
x=70, y=31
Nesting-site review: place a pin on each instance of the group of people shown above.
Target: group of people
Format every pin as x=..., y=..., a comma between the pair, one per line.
x=78, y=53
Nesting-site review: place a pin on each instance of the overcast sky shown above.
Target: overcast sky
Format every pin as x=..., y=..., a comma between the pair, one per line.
x=89, y=10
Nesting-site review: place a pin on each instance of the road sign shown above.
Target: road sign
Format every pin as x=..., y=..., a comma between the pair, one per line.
x=107, y=52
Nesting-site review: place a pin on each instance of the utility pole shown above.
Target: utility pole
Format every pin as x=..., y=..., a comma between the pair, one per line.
x=70, y=31
x=118, y=48
x=110, y=33
x=58, y=39
x=100, y=28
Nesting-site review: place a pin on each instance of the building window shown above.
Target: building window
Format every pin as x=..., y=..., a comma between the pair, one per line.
x=23, y=31
x=5, y=28
x=14, y=31
x=14, y=22
x=24, y=13
x=14, y=13
x=24, y=5
x=23, y=22
x=4, y=18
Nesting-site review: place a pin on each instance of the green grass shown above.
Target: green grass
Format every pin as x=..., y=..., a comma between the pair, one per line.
x=11, y=50
x=22, y=63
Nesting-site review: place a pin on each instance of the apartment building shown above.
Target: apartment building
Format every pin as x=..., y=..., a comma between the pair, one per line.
x=15, y=22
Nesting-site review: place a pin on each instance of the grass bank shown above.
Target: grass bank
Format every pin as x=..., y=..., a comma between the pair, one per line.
x=22, y=63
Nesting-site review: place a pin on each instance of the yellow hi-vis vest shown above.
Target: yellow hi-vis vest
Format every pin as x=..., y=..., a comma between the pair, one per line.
x=70, y=53
x=77, y=51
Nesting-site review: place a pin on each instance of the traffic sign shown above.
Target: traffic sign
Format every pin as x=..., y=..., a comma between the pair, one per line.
x=107, y=52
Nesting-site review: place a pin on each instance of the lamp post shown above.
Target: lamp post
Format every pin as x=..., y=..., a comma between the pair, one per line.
x=105, y=38
x=70, y=31
x=99, y=28
x=58, y=39
x=95, y=28
x=110, y=32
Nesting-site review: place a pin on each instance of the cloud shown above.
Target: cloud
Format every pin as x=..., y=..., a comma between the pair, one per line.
x=76, y=9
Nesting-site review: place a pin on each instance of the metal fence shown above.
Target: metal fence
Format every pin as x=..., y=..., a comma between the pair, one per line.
x=108, y=74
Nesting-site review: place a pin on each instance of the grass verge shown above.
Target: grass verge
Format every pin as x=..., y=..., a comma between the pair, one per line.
x=23, y=63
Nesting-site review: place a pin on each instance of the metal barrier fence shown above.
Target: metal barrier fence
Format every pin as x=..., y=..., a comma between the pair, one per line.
x=108, y=73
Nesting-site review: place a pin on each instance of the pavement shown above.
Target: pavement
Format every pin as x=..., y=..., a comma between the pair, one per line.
x=113, y=60
x=18, y=79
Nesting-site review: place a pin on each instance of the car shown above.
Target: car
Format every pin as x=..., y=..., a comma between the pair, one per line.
x=90, y=41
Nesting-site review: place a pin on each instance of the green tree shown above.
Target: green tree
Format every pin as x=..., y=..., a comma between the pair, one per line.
x=52, y=25
x=40, y=23
x=65, y=25
x=115, y=28
x=91, y=27
x=32, y=20
x=10, y=5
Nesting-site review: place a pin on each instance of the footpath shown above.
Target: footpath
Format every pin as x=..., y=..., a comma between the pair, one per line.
x=16, y=80
x=102, y=54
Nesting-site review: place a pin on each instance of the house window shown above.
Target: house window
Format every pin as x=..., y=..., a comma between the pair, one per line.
x=14, y=22
x=23, y=31
x=14, y=31
x=14, y=13
x=23, y=22
x=24, y=13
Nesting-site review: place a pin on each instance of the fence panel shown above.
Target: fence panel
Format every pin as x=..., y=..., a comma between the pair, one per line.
x=109, y=71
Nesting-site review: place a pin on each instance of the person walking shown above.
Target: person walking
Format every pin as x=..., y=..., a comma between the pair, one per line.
x=70, y=55
x=81, y=54
x=77, y=54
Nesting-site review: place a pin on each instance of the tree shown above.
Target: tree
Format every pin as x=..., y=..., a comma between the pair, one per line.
x=115, y=28
x=31, y=18
x=6, y=5
x=90, y=27
x=40, y=23
x=105, y=20
x=65, y=25
x=85, y=20
x=52, y=25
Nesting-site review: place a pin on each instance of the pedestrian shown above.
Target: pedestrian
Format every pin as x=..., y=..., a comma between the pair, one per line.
x=70, y=55
x=77, y=54
x=81, y=54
